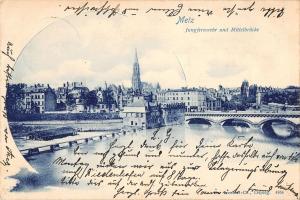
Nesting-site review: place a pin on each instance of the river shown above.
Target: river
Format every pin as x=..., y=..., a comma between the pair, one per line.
x=50, y=175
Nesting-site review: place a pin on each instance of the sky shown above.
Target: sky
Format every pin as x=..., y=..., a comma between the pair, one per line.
x=93, y=50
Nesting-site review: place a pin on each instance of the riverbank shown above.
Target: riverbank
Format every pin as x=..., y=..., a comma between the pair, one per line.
x=62, y=116
x=21, y=129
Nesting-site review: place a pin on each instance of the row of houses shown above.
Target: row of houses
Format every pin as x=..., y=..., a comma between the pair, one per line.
x=70, y=97
x=39, y=99
x=194, y=99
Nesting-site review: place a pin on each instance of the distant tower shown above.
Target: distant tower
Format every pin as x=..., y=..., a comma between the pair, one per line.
x=258, y=98
x=136, y=79
x=245, y=89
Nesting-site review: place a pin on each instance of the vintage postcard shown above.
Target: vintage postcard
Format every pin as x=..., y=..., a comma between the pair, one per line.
x=149, y=99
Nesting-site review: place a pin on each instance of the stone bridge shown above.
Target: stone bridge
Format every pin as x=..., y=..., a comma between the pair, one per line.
x=252, y=119
x=263, y=121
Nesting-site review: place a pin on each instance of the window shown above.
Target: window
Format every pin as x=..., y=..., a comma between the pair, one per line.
x=188, y=98
x=142, y=114
x=131, y=123
x=136, y=114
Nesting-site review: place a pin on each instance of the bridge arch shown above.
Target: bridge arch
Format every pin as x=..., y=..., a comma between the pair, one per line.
x=239, y=121
x=277, y=119
x=291, y=130
x=200, y=120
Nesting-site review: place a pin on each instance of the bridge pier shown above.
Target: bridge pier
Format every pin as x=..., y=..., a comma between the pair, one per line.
x=33, y=151
x=54, y=147
x=72, y=142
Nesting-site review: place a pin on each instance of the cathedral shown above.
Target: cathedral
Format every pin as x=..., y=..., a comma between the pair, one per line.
x=136, y=76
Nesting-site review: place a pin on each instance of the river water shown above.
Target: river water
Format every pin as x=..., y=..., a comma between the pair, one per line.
x=50, y=175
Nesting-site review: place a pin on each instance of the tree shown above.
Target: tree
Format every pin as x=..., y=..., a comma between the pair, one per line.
x=61, y=106
x=281, y=97
x=91, y=98
x=15, y=99
x=71, y=101
x=108, y=97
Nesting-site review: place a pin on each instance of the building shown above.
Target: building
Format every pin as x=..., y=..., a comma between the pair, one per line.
x=213, y=103
x=75, y=95
x=61, y=94
x=67, y=87
x=173, y=113
x=136, y=79
x=228, y=93
x=101, y=105
x=39, y=99
x=245, y=89
x=141, y=114
x=258, y=98
x=194, y=99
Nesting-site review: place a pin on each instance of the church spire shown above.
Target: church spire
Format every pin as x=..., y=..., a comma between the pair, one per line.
x=136, y=60
x=136, y=79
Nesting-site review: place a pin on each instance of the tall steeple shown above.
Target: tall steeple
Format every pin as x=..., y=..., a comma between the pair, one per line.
x=136, y=79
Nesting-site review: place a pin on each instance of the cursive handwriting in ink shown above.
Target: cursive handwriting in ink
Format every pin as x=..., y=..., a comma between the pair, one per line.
x=272, y=12
x=169, y=12
x=235, y=10
x=9, y=157
x=9, y=51
x=207, y=12
x=105, y=9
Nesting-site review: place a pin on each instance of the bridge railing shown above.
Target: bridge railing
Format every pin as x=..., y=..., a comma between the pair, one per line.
x=245, y=114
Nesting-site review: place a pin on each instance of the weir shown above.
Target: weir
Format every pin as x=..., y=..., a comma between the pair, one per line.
x=59, y=145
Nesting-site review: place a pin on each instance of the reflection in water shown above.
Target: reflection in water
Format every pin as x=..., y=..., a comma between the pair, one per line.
x=279, y=129
x=236, y=129
x=282, y=129
x=201, y=127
